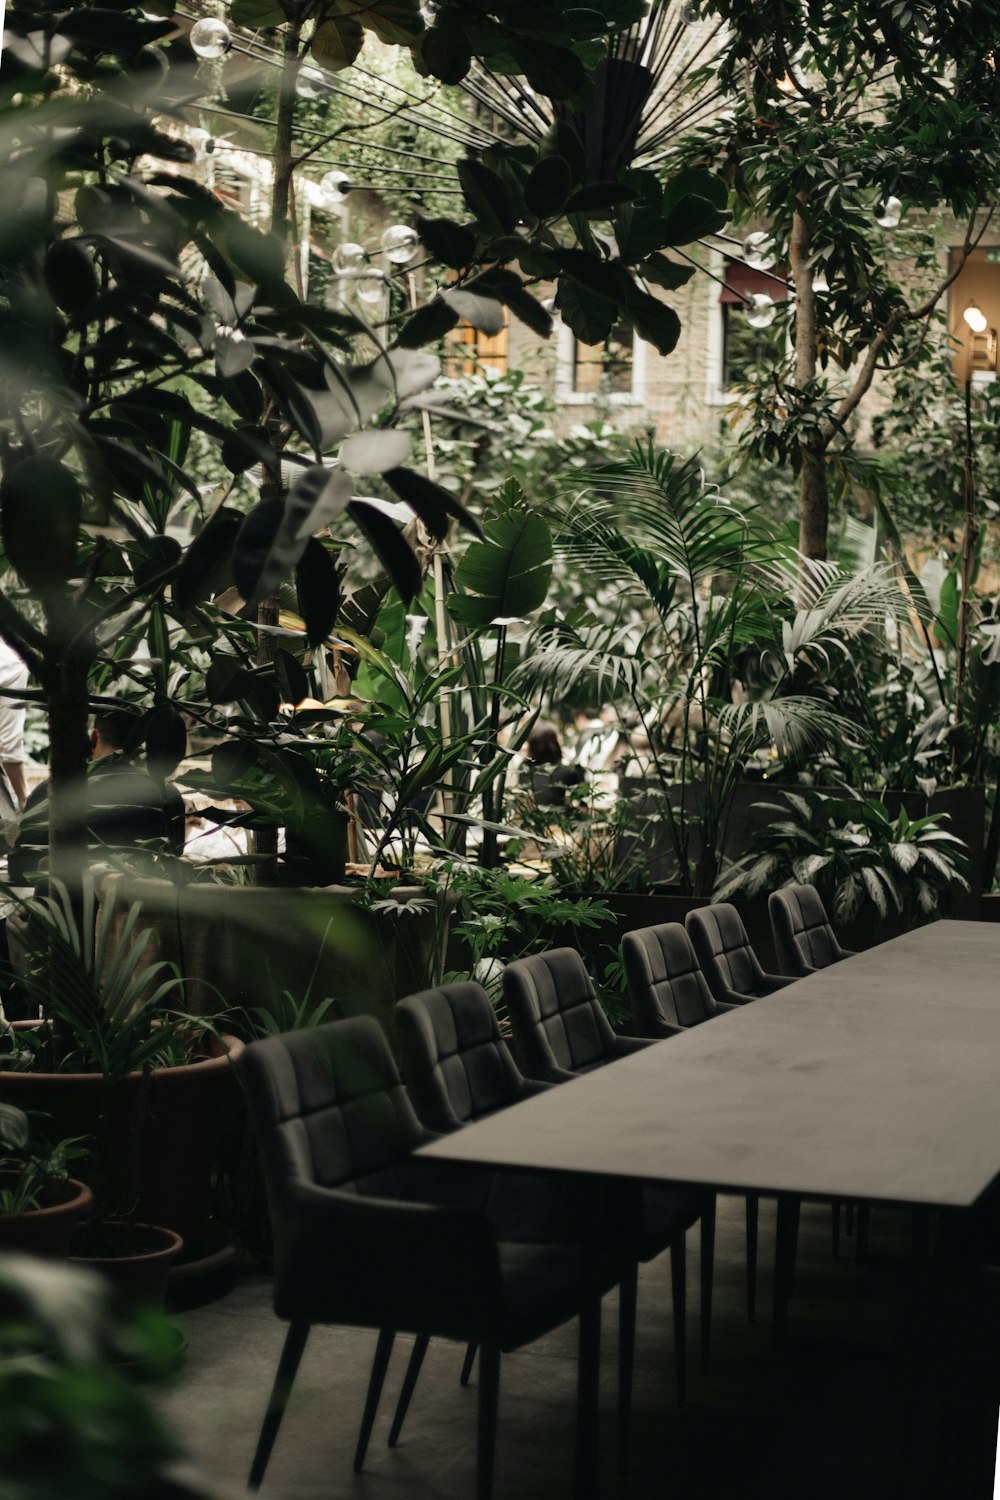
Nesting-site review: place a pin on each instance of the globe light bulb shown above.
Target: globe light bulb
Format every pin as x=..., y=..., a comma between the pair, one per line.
x=311, y=83
x=690, y=15
x=819, y=281
x=202, y=142
x=349, y=259
x=888, y=212
x=760, y=311
x=210, y=38
x=975, y=318
x=400, y=244
x=334, y=186
x=370, y=288
x=758, y=250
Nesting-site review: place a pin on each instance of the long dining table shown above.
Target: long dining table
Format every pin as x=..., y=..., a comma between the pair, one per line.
x=876, y=1080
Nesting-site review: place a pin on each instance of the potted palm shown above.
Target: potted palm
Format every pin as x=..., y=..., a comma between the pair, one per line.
x=111, y=1063
x=696, y=585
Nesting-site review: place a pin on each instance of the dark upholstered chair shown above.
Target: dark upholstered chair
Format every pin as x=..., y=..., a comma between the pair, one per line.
x=559, y=1028
x=455, y=1063
x=666, y=988
x=726, y=958
x=367, y=1235
x=560, y=1031
x=803, y=938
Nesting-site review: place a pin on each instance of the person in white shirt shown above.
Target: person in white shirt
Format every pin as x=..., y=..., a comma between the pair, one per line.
x=13, y=674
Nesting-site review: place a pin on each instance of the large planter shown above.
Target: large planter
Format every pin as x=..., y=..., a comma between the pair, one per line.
x=134, y=1258
x=47, y=1230
x=166, y=1128
x=248, y=944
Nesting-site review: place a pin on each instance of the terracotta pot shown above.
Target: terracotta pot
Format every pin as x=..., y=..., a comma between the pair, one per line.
x=47, y=1230
x=134, y=1258
x=178, y=1115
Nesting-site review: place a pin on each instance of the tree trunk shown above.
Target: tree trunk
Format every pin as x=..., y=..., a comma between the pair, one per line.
x=69, y=753
x=813, y=487
x=264, y=841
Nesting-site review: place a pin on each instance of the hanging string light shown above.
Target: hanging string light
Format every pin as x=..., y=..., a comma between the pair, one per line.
x=210, y=38
x=399, y=244
x=335, y=187
x=887, y=212
x=760, y=310
x=759, y=250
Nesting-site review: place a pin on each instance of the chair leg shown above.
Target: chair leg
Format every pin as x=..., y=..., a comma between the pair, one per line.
x=587, y=1402
x=835, y=1227
x=288, y=1364
x=489, y=1395
x=863, y=1244
x=849, y=1216
x=786, y=1244
x=678, y=1278
x=468, y=1362
x=409, y=1386
x=627, y=1291
x=753, y=1215
x=707, y=1275
x=376, y=1380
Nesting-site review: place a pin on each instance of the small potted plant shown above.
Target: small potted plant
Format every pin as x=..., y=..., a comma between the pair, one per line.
x=40, y=1204
x=112, y=1063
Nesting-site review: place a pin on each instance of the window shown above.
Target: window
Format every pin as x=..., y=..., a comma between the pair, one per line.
x=746, y=351
x=468, y=350
x=612, y=371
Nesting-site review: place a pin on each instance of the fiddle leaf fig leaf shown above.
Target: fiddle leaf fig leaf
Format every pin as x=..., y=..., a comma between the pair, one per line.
x=654, y=321
x=482, y=313
x=254, y=14
x=444, y=48
x=428, y=324
x=589, y=316
x=166, y=740
x=293, y=684
x=337, y=42
x=548, y=186
x=487, y=196
x=452, y=244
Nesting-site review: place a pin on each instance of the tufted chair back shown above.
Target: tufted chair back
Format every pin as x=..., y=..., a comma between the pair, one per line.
x=723, y=950
x=803, y=937
x=559, y=1027
x=666, y=988
x=456, y=1064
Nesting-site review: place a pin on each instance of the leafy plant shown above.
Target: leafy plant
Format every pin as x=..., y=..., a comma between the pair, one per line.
x=704, y=592
x=36, y=1163
x=855, y=854
x=103, y=998
x=501, y=917
x=594, y=841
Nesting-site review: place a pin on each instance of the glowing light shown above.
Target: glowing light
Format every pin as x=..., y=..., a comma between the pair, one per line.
x=888, y=212
x=975, y=318
x=349, y=259
x=400, y=244
x=758, y=250
x=210, y=38
x=334, y=186
x=761, y=310
x=370, y=287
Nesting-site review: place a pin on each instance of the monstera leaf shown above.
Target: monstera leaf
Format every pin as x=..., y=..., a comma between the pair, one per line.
x=505, y=576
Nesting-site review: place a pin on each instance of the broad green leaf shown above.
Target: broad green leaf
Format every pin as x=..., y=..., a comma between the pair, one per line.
x=590, y=317
x=654, y=321
x=482, y=313
x=397, y=23
x=487, y=196
x=375, y=450
x=390, y=547
x=507, y=575
x=431, y=502
x=317, y=588
x=40, y=511
x=695, y=182
x=254, y=14
x=548, y=186
x=337, y=42
x=444, y=48
x=428, y=324
x=208, y=563
x=452, y=244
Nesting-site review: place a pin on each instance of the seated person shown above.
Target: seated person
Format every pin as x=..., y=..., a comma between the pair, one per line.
x=126, y=807
x=543, y=771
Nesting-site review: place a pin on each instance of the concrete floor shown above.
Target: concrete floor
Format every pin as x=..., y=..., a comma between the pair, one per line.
x=820, y=1417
